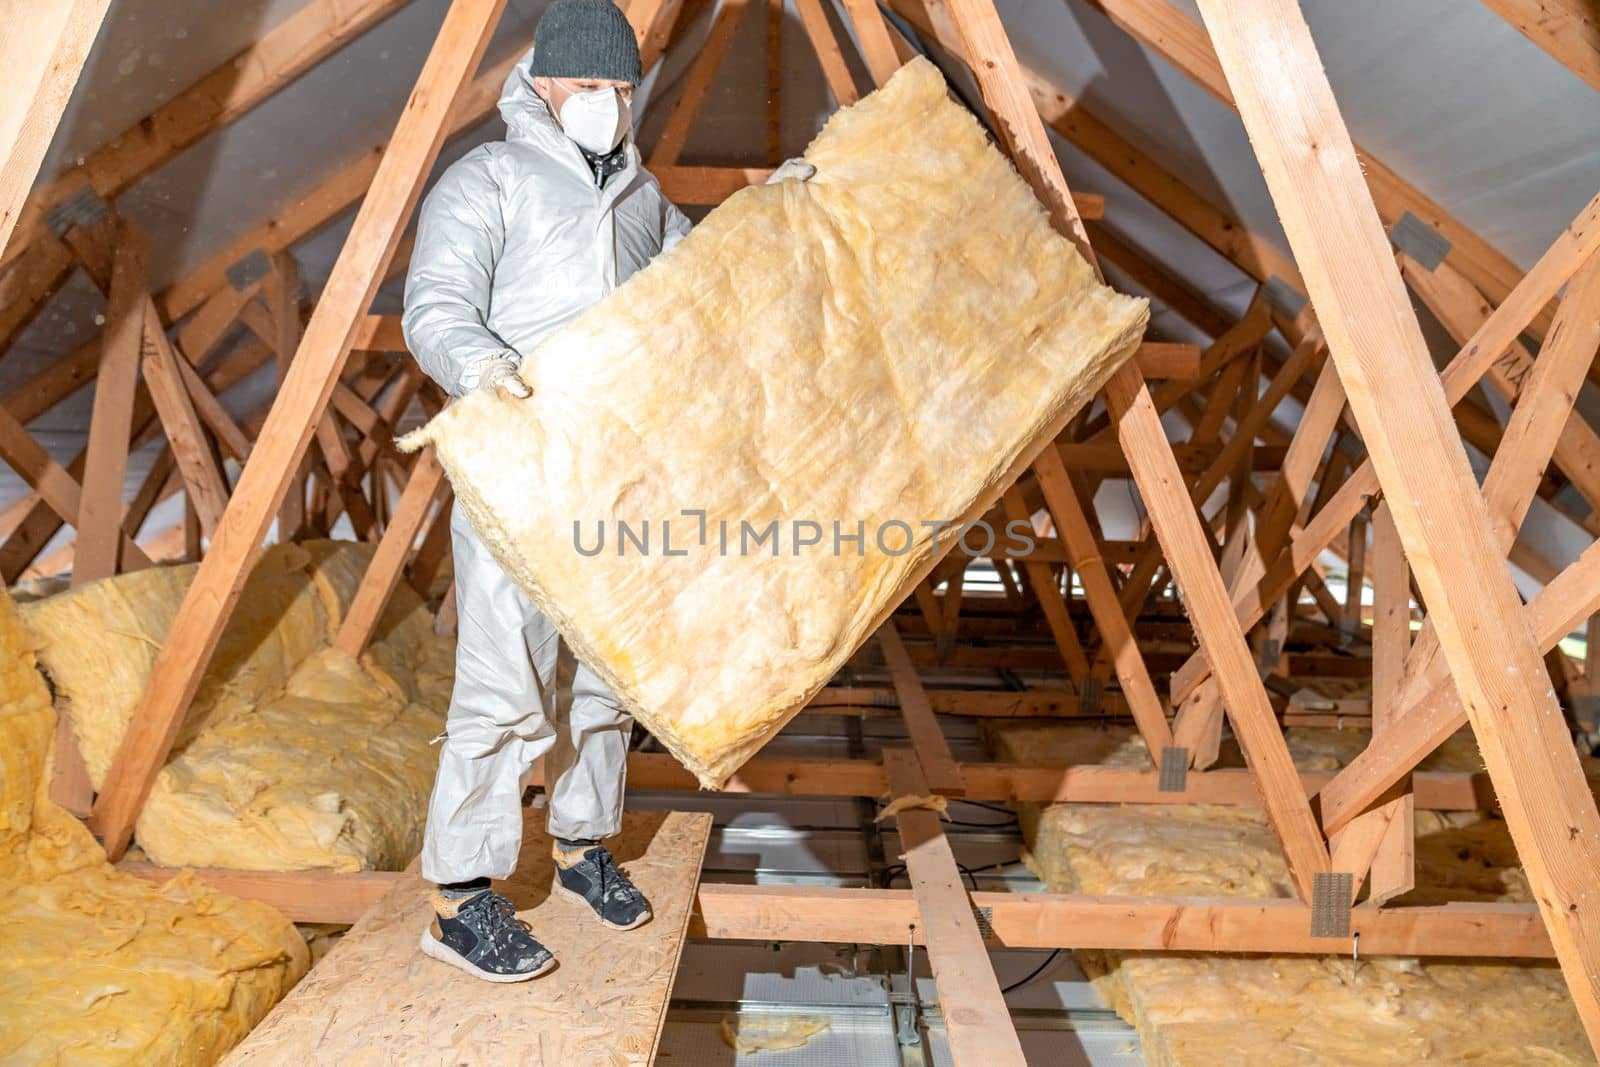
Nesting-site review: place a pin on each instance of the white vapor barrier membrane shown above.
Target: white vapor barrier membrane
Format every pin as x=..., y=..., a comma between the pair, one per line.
x=877, y=349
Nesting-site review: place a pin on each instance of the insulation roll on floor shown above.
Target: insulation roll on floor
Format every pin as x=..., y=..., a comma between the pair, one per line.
x=98, y=967
x=293, y=755
x=760, y=429
x=1194, y=1010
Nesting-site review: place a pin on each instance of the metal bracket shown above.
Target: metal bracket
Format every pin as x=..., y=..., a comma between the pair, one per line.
x=984, y=917
x=1174, y=776
x=1330, y=903
x=1420, y=241
x=249, y=270
x=1284, y=297
x=83, y=208
x=1089, y=695
x=1349, y=630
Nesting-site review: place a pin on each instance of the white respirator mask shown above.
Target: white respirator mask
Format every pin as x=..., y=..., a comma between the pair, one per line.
x=597, y=120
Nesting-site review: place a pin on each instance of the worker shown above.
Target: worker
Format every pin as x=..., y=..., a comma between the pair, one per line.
x=517, y=238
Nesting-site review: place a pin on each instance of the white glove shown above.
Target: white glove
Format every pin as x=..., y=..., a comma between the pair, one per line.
x=792, y=170
x=499, y=372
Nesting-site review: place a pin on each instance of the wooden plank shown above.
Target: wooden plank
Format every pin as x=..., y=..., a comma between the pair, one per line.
x=1182, y=538
x=653, y=22
x=877, y=47
x=41, y=55
x=99, y=523
x=295, y=411
x=1101, y=593
x=1049, y=596
x=1428, y=701
x=1461, y=309
x=988, y=54
x=277, y=57
x=1571, y=248
x=1394, y=392
x=1188, y=554
x=284, y=289
x=1394, y=865
x=1224, y=233
x=977, y=1022
x=697, y=84
x=938, y=766
x=55, y=486
x=1151, y=924
x=203, y=480
x=835, y=71
x=376, y=997
x=388, y=562
x=1567, y=29
x=302, y=896
x=1028, y=783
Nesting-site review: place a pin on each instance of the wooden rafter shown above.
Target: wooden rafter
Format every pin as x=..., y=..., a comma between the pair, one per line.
x=1317, y=183
x=304, y=396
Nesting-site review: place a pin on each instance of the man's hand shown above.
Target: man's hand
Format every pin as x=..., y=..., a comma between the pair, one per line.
x=499, y=372
x=792, y=170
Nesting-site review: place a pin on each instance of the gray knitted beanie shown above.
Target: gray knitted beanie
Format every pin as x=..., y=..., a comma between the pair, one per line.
x=585, y=39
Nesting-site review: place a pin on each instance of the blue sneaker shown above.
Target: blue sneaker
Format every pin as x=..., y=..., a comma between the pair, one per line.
x=590, y=874
x=481, y=934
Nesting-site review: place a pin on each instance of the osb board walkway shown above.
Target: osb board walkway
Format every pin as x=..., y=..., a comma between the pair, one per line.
x=375, y=999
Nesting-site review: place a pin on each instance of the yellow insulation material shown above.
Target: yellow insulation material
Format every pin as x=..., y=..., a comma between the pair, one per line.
x=294, y=756
x=1296, y=1010
x=97, y=967
x=97, y=643
x=835, y=366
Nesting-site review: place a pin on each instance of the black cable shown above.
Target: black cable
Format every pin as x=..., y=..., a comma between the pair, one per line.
x=1037, y=971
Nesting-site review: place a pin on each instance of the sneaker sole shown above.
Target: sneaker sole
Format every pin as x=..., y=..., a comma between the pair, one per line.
x=557, y=887
x=435, y=949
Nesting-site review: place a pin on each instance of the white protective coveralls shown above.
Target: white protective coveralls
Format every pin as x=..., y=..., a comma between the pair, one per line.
x=514, y=241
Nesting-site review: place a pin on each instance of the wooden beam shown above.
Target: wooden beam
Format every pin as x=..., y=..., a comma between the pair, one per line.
x=697, y=84
x=988, y=53
x=877, y=47
x=653, y=22
x=388, y=562
x=1428, y=702
x=938, y=766
x=835, y=71
x=977, y=1022
x=277, y=57
x=302, y=896
x=203, y=480
x=1571, y=248
x=99, y=523
x=1132, y=924
x=1101, y=592
x=345, y=299
x=43, y=52
x=825, y=914
x=1569, y=30
x=1317, y=183
x=1394, y=864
